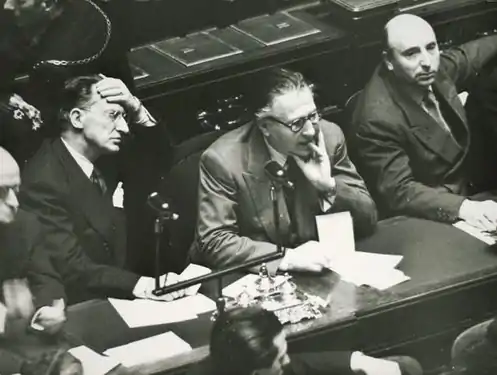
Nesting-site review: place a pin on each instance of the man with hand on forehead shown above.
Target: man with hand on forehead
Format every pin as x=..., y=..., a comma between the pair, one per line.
x=72, y=194
x=235, y=212
x=411, y=133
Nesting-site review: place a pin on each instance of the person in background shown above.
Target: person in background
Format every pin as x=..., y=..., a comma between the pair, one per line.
x=19, y=234
x=410, y=128
x=235, y=211
x=71, y=185
x=251, y=341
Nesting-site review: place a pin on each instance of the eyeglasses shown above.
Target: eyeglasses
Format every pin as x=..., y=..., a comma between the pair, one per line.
x=4, y=191
x=113, y=116
x=297, y=124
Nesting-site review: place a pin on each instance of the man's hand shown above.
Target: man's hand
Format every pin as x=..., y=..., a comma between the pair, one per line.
x=309, y=257
x=364, y=364
x=318, y=168
x=145, y=286
x=482, y=215
x=50, y=319
x=115, y=91
x=18, y=298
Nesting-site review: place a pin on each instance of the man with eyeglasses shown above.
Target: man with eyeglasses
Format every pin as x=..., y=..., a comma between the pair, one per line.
x=411, y=133
x=235, y=212
x=73, y=193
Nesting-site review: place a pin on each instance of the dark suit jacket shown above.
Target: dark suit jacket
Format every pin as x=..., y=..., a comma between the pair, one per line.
x=17, y=242
x=235, y=220
x=414, y=166
x=318, y=363
x=84, y=234
x=481, y=109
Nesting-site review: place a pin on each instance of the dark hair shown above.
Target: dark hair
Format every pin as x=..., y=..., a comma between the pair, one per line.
x=242, y=340
x=266, y=85
x=76, y=92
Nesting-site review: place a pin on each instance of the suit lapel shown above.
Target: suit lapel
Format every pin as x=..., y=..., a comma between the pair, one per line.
x=97, y=208
x=425, y=127
x=259, y=186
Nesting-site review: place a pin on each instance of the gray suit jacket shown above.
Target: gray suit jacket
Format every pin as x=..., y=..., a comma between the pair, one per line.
x=414, y=166
x=235, y=214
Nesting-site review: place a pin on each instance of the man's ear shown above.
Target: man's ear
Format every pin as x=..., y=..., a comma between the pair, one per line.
x=386, y=60
x=76, y=118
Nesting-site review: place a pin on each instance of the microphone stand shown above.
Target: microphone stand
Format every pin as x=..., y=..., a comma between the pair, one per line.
x=218, y=275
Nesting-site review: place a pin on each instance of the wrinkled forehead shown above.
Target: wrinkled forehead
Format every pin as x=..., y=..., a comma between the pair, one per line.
x=409, y=32
x=293, y=104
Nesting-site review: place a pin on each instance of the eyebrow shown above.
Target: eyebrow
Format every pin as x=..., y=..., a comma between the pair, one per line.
x=410, y=50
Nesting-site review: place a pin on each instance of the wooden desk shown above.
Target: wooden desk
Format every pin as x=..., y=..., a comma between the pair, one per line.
x=453, y=277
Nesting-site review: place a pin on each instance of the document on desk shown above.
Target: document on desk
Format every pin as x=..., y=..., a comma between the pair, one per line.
x=149, y=350
x=94, y=363
x=489, y=239
x=141, y=312
x=361, y=268
x=336, y=231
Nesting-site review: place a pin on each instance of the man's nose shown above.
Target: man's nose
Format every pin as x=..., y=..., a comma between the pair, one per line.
x=122, y=126
x=309, y=130
x=425, y=59
x=12, y=200
x=286, y=360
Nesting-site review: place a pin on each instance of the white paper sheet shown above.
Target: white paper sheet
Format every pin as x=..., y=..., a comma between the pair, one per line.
x=475, y=232
x=141, y=313
x=336, y=232
x=149, y=350
x=94, y=363
x=360, y=268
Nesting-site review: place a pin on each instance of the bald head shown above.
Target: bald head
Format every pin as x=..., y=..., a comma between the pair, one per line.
x=9, y=184
x=404, y=29
x=411, y=50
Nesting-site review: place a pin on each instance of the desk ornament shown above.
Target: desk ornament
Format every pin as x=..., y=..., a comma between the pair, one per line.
x=281, y=296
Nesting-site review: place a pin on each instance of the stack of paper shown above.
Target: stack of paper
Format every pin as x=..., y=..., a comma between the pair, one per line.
x=149, y=350
x=93, y=363
x=488, y=238
x=141, y=312
x=336, y=235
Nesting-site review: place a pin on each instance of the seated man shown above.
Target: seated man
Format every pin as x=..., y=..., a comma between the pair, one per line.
x=251, y=341
x=410, y=128
x=19, y=233
x=235, y=213
x=83, y=232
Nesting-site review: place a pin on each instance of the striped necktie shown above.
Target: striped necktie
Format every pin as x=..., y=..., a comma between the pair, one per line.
x=97, y=179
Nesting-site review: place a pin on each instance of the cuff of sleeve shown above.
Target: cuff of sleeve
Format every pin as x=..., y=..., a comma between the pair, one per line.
x=37, y=326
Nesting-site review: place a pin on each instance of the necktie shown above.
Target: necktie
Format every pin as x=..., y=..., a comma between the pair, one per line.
x=432, y=107
x=99, y=182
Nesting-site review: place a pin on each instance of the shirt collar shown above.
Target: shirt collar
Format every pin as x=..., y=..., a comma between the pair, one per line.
x=83, y=162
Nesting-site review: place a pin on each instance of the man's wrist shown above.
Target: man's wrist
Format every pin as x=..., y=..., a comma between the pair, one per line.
x=330, y=192
x=140, y=114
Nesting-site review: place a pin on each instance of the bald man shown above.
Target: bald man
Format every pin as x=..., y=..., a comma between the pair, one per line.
x=411, y=127
x=19, y=234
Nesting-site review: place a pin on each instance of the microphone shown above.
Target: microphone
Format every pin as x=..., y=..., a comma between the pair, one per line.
x=157, y=203
x=278, y=174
